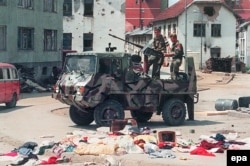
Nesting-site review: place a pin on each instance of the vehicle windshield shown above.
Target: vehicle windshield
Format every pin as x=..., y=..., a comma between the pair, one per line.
x=83, y=64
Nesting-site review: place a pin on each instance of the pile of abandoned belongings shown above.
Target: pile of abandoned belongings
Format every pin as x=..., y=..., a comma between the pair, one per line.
x=129, y=140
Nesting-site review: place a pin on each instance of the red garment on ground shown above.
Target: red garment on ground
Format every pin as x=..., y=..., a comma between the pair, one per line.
x=51, y=160
x=11, y=154
x=208, y=145
x=201, y=151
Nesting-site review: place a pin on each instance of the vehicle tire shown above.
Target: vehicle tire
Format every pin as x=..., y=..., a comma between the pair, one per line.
x=13, y=101
x=80, y=117
x=141, y=116
x=107, y=111
x=174, y=112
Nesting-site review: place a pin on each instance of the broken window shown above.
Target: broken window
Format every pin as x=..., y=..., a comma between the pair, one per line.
x=49, y=5
x=88, y=7
x=67, y=41
x=67, y=8
x=199, y=30
x=28, y=4
x=50, y=40
x=2, y=2
x=209, y=10
x=87, y=42
x=216, y=30
x=25, y=38
x=2, y=37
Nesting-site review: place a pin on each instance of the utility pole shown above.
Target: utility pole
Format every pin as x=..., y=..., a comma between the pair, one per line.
x=201, y=40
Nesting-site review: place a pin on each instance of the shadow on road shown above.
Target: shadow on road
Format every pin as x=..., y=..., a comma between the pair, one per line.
x=4, y=109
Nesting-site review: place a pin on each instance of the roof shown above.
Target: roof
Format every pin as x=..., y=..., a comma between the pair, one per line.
x=2, y=64
x=244, y=24
x=179, y=7
x=243, y=9
x=139, y=31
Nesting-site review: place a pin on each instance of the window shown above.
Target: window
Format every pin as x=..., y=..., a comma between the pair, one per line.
x=199, y=30
x=2, y=37
x=2, y=2
x=28, y=4
x=67, y=8
x=215, y=52
x=174, y=28
x=44, y=71
x=169, y=29
x=67, y=41
x=25, y=38
x=50, y=40
x=49, y=5
x=88, y=7
x=87, y=42
x=216, y=30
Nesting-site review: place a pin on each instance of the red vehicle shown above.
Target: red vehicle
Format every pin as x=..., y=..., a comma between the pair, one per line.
x=9, y=85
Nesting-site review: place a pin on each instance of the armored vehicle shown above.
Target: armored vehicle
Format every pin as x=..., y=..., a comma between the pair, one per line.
x=100, y=86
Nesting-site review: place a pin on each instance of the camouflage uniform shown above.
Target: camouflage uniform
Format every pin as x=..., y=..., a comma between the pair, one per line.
x=176, y=59
x=156, y=61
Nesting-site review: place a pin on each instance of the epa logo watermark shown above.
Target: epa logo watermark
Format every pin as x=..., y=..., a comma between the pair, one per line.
x=237, y=157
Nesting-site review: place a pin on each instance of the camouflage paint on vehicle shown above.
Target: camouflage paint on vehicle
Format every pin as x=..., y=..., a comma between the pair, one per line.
x=86, y=89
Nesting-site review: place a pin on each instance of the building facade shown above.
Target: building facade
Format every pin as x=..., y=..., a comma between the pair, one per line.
x=31, y=34
x=87, y=24
x=244, y=43
x=206, y=28
x=140, y=13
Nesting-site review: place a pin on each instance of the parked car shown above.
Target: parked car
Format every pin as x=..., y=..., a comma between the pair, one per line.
x=9, y=85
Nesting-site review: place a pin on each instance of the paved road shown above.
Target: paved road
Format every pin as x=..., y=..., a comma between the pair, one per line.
x=32, y=118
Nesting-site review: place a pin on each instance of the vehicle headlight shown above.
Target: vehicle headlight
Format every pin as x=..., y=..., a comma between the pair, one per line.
x=57, y=89
x=80, y=90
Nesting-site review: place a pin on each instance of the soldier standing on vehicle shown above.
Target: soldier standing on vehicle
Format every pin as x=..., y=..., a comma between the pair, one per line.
x=157, y=60
x=176, y=52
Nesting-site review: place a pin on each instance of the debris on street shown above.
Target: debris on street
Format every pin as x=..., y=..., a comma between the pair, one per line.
x=129, y=140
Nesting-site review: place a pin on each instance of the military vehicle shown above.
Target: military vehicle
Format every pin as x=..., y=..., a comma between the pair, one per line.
x=97, y=87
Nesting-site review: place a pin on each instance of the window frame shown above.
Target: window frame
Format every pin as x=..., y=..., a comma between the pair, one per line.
x=67, y=38
x=26, y=4
x=3, y=43
x=53, y=40
x=88, y=8
x=197, y=31
x=30, y=38
x=88, y=41
x=52, y=8
x=67, y=8
x=215, y=30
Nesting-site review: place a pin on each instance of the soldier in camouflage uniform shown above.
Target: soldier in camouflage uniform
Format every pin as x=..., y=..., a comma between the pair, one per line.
x=157, y=60
x=176, y=54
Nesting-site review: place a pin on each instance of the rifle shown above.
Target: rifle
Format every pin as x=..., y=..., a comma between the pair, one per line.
x=145, y=49
x=137, y=45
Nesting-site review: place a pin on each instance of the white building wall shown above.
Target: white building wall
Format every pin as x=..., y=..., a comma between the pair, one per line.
x=109, y=17
x=247, y=61
x=226, y=42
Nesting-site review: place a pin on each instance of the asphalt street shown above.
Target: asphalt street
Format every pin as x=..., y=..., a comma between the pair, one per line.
x=33, y=120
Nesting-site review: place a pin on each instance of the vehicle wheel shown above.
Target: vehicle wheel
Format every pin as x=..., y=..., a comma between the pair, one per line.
x=141, y=116
x=13, y=102
x=107, y=111
x=80, y=117
x=174, y=112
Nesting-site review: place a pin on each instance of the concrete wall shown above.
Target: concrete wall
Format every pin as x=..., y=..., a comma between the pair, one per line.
x=109, y=17
x=14, y=17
